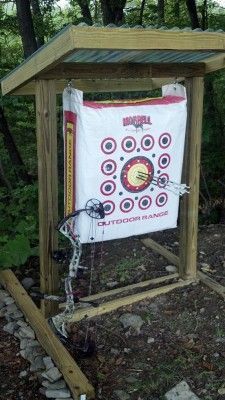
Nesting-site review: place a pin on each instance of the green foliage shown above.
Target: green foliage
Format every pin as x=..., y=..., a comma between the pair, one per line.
x=18, y=230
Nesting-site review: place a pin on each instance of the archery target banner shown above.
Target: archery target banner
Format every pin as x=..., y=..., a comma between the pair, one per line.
x=123, y=154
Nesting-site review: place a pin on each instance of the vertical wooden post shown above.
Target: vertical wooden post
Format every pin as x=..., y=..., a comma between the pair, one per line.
x=191, y=174
x=48, y=188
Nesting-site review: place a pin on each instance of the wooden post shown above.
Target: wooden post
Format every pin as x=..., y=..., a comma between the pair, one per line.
x=74, y=377
x=48, y=188
x=191, y=173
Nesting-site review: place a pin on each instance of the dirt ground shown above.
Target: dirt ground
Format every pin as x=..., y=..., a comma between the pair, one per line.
x=182, y=336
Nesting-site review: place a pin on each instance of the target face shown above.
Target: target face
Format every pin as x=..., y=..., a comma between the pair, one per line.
x=128, y=144
x=137, y=174
x=145, y=202
x=127, y=156
x=107, y=188
x=108, y=167
x=126, y=205
x=161, y=199
x=109, y=207
x=108, y=145
x=147, y=142
x=165, y=140
x=164, y=160
x=162, y=180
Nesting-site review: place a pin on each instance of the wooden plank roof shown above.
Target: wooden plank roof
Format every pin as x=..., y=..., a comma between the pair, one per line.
x=84, y=52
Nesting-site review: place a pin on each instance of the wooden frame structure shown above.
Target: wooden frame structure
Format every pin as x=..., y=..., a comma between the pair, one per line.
x=105, y=60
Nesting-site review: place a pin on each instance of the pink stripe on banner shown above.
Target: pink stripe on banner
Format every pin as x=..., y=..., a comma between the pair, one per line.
x=157, y=101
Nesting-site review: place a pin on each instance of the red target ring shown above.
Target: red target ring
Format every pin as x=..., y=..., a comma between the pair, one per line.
x=108, y=167
x=145, y=202
x=162, y=180
x=109, y=207
x=161, y=199
x=147, y=142
x=126, y=205
x=107, y=188
x=137, y=174
x=164, y=160
x=108, y=145
x=165, y=140
x=128, y=144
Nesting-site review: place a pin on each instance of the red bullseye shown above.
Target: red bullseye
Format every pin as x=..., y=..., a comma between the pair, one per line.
x=108, y=167
x=164, y=160
x=108, y=145
x=145, y=202
x=126, y=205
x=109, y=207
x=165, y=140
x=128, y=144
x=161, y=199
x=107, y=188
x=137, y=174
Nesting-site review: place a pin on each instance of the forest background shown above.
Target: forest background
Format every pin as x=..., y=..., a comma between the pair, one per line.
x=25, y=25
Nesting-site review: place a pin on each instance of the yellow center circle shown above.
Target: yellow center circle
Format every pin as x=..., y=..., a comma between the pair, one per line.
x=135, y=171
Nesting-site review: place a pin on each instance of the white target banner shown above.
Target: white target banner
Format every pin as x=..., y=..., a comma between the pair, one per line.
x=123, y=154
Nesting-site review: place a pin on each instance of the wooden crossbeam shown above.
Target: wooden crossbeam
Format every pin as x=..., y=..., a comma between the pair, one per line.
x=124, y=301
x=103, y=85
x=123, y=70
x=212, y=284
x=123, y=289
x=74, y=377
x=161, y=250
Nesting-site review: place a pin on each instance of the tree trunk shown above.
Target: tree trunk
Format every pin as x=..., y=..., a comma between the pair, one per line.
x=13, y=152
x=38, y=22
x=85, y=11
x=142, y=12
x=3, y=178
x=26, y=27
x=112, y=11
x=192, y=10
x=205, y=15
x=161, y=12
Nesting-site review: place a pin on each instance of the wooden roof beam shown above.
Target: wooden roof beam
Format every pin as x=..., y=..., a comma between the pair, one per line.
x=103, y=85
x=125, y=70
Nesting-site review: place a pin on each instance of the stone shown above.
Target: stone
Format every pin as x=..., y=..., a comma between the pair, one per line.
x=37, y=364
x=112, y=284
x=48, y=362
x=60, y=393
x=28, y=343
x=3, y=294
x=26, y=332
x=115, y=352
x=23, y=374
x=8, y=300
x=57, y=385
x=121, y=394
x=22, y=323
x=132, y=379
x=27, y=283
x=171, y=268
x=11, y=308
x=221, y=390
x=131, y=320
x=16, y=315
x=2, y=305
x=181, y=391
x=52, y=374
x=150, y=340
x=10, y=327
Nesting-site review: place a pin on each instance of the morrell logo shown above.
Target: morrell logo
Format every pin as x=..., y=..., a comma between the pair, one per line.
x=138, y=121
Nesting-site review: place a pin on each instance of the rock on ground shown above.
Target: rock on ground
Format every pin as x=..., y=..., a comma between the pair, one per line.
x=181, y=391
